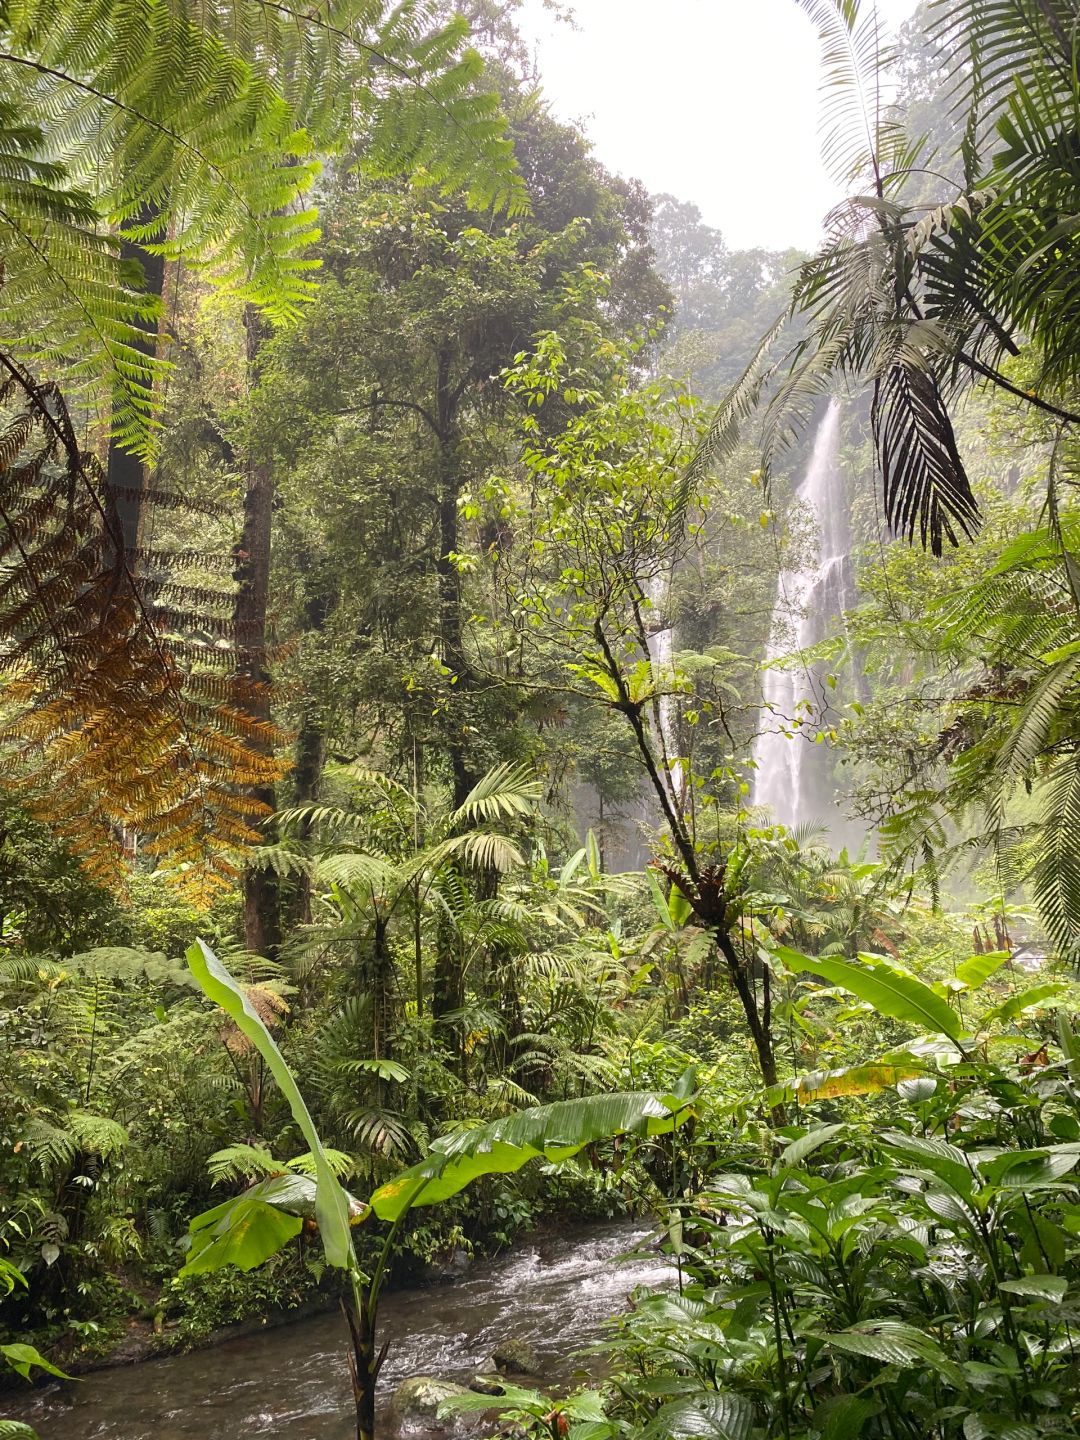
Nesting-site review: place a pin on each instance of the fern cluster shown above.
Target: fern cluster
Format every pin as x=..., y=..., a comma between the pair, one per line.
x=194, y=131
x=123, y=713
x=1012, y=728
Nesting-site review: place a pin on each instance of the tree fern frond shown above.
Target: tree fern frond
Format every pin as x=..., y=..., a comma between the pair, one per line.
x=242, y=1162
x=1043, y=713
x=106, y=730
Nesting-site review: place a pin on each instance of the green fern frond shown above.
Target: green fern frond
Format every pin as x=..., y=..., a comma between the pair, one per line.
x=1055, y=876
x=241, y=1162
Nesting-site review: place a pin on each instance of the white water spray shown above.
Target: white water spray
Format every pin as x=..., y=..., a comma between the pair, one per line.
x=661, y=654
x=793, y=777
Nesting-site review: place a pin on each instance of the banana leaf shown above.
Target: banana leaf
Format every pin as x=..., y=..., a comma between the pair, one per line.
x=890, y=991
x=331, y=1201
x=551, y=1132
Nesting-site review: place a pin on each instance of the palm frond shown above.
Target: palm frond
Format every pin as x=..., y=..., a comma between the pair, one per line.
x=926, y=485
x=485, y=850
x=504, y=793
x=858, y=132
x=1055, y=875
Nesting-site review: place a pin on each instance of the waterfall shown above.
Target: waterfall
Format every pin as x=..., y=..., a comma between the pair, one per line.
x=661, y=654
x=793, y=778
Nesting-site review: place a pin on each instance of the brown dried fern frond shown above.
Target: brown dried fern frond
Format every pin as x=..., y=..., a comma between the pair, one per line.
x=120, y=722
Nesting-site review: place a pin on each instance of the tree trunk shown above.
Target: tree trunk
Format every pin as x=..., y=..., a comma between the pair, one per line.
x=262, y=921
x=446, y=994
x=450, y=630
x=310, y=755
x=702, y=885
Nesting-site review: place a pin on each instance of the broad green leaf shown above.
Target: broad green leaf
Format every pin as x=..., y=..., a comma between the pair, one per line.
x=980, y=1426
x=679, y=907
x=831, y=1084
x=799, y=1149
x=1037, y=1287
x=1029, y=999
x=1070, y=1046
x=331, y=1205
x=513, y=1397
x=890, y=1341
x=844, y=1416
x=22, y=1357
x=659, y=899
x=243, y=1232
x=888, y=990
x=944, y=1202
x=10, y=1276
x=586, y=1406
x=979, y=968
x=294, y=1192
x=1044, y=1243
x=947, y=1162
x=554, y=1132
x=592, y=850
x=16, y=1430
x=714, y=1416
x=1025, y=1169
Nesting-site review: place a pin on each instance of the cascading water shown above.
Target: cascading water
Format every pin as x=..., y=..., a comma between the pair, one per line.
x=793, y=776
x=555, y=1293
x=661, y=654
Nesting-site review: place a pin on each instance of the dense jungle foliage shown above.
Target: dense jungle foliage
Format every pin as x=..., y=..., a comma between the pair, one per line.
x=395, y=512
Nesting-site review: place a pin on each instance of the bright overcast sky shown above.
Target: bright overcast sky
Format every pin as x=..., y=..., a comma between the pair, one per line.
x=714, y=101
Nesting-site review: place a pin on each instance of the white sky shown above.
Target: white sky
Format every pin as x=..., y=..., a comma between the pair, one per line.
x=714, y=101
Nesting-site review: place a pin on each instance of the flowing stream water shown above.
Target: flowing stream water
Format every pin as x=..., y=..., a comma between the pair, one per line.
x=794, y=776
x=291, y=1382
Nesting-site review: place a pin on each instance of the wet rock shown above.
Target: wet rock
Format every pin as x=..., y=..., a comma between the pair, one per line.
x=415, y=1403
x=515, y=1357
x=487, y=1385
x=447, y=1268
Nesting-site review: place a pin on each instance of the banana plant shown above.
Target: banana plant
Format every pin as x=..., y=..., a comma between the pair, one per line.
x=250, y=1228
x=20, y=1358
x=895, y=993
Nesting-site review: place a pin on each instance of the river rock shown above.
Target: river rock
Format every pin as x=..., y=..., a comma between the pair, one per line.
x=415, y=1402
x=447, y=1268
x=487, y=1385
x=515, y=1357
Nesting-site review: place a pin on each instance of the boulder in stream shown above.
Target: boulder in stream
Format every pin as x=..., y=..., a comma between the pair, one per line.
x=414, y=1404
x=515, y=1357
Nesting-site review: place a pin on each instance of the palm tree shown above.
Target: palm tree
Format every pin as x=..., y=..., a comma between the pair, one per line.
x=918, y=303
x=369, y=887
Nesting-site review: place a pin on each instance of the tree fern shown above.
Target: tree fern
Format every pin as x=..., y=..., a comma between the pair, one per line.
x=187, y=130
x=193, y=129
